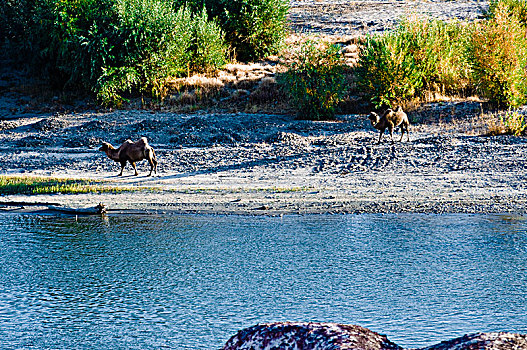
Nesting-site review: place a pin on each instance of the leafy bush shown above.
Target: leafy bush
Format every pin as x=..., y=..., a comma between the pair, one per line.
x=514, y=123
x=253, y=28
x=315, y=81
x=14, y=17
x=517, y=7
x=153, y=46
x=420, y=55
x=114, y=46
x=69, y=39
x=161, y=44
x=498, y=51
x=207, y=48
x=386, y=73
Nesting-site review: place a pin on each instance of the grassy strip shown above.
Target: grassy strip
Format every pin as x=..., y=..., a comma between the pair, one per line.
x=10, y=185
x=49, y=185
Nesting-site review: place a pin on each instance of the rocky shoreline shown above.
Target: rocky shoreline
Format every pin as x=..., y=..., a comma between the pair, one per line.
x=341, y=17
x=325, y=336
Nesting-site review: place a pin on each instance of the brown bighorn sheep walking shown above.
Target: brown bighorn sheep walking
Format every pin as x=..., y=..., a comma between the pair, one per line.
x=131, y=152
x=391, y=119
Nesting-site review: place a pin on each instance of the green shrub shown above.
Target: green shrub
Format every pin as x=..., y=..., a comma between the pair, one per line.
x=510, y=123
x=517, y=7
x=159, y=43
x=386, y=72
x=154, y=42
x=498, y=52
x=112, y=47
x=314, y=80
x=207, y=49
x=420, y=55
x=253, y=28
x=69, y=40
x=14, y=19
x=514, y=123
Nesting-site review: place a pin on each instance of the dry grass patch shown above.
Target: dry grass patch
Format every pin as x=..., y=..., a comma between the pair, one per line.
x=508, y=123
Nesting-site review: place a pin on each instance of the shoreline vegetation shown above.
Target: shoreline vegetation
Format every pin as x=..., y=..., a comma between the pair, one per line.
x=260, y=112
x=119, y=51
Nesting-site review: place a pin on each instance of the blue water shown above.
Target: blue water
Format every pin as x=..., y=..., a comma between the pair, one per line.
x=190, y=282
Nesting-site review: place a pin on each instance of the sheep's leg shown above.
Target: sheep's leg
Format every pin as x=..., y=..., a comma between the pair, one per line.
x=123, y=164
x=380, y=136
x=402, y=132
x=155, y=161
x=408, y=132
x=151, y=160
x=135, y=169
x=390, y=128
x=151, y=167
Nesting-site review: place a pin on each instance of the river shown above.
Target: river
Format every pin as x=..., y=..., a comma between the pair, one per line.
x=191, y=281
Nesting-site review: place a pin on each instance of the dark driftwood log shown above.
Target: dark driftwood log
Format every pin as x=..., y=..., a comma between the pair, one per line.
x=97, y=210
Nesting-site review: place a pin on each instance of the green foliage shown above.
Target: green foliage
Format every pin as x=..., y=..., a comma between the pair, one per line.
x=154, y=41
x=386, y=73
x=314, y=80
x=14, y=18
x=253, y=28
x=498, y=52
x=517, y=7
x=45, y=185
x=514, y=123
x=68, y=40
x=420, y=55
x=112, y=47
x=423, y=56
x=113, y=82
x=207, y=48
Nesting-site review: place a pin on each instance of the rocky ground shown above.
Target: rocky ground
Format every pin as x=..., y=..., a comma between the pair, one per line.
x=254, y=163
x=343, y=17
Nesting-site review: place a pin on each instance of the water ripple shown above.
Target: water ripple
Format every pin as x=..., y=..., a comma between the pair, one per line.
x=190, y=282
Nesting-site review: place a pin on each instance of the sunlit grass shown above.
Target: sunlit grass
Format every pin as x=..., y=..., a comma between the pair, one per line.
x=50, y=185
x=17, y=184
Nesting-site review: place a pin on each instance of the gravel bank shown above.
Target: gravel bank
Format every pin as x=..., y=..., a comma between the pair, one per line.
x=273, y=164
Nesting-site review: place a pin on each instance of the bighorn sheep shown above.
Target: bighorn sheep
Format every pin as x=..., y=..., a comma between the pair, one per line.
x=131, y=152
x=391, y=119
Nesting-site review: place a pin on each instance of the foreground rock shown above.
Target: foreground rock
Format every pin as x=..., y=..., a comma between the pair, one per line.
x=308, y=336
x=332, y=336
x=494, y=341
